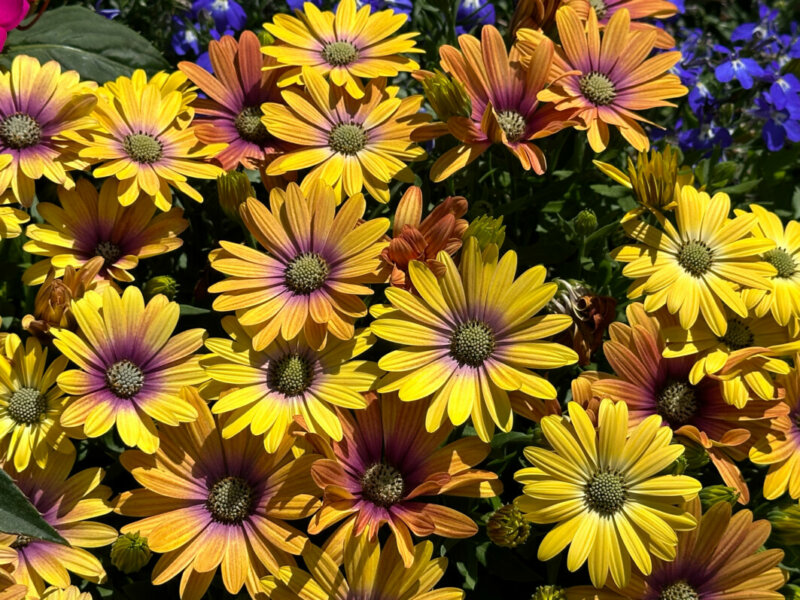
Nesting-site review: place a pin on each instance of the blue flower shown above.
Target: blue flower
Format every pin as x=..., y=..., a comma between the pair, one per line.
x=227, y=14
x=780, y=125
x=744, y=70
x=184, y=40
x=700, y=98
x=785, y=91
x=765, y=28
x=108, y=13
x=398, y=6
x=472, y=13
x=298, y=4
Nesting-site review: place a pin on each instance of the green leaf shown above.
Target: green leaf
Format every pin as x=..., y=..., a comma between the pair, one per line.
x=189, y=310
x=80, y=39
x=19, y=517
x=741, y=188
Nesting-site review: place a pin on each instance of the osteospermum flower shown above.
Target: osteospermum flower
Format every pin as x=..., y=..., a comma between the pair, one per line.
x=415, y=238
x=314, y=274
x=351, y=143
x=236, y=89
x=639, y=10
x=608, y=80
x=695, y=409
x=345, y=46
x=603, y=489
x=131, y=367
x=11, y=219
x=697, y=266
x=212, y=502
x=503, y=95
x=783, y=300
x=471, y=337
x=780, y=448
x=369, y=572
x=286, y=380
x=387, y=470
x=746, y=359
x=38, y=105
x=723, y=558
x=30, y=404
x=88, y=224
x=142, y=141
x=66, y=504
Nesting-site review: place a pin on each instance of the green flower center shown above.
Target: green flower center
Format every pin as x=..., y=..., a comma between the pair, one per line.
x=230, y=500
x=512, y=123
x=606, y=492
x=124, y=379
x=26, y=406
x=599, y=7
x=597, y=88
x=339, y=54
x=20, y=131
x=782, y=261
x=347, y=138
x=21, y=542
x=680, y=590
x=695, y=257
x=290, y=375
x=382, y=484
x=677, y=403
x=738, y=335
x=248, y=124
x=143, y=148
x=306, y=273
x=472, y=343
x=109, y=251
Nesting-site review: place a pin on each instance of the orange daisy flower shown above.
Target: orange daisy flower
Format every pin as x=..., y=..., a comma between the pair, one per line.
x=638, y=9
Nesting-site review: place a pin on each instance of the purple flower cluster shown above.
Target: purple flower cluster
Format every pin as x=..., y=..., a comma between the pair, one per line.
x=742, y=85
x=213, y=17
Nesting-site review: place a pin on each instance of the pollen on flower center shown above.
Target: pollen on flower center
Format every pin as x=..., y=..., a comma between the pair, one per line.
x=606, y=492
x=512, y=123
x=306, y=273
x=20, y=131
x=597, y=88
x=677, y=402
x=109, y=251
x=26, y=406
x=143, y=148
x=738, y=335
x=290, y=375
x=782, y=261
x=347, y=138
x=248, y=124
x=124, y=379
x=21, y=542
x=680, y=590
x=230, y=500
x=472, y=343
x=382, y=484
x=339, y=53
x=599, y=7
x=695, y=257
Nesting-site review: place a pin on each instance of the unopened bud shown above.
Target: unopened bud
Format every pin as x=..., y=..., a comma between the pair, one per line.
x=447, y=96
x=506, y=527
x=265, y=38
x=711, y=495
x=585, y=222
x=130, y=552
x=785, y=524
x=163, y=284
x=487, y=230
x=233, y=189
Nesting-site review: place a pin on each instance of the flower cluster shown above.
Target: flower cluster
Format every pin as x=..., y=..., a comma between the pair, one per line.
x=350, y=393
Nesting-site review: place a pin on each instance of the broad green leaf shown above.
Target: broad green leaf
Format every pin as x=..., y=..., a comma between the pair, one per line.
x=189, y=310
x=18, y=516
x=81, y=40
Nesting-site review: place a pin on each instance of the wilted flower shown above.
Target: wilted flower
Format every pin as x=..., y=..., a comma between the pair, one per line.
x=417, y=239
x=161, y=284
x=130, y=552
x=712, y=494
x=507, y=528
x=233, y=189
x=448, y=97
x=487, y=230
x=51, y=308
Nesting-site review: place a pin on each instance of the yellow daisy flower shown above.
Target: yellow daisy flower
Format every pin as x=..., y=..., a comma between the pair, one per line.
x=602, y=486
x=697, y=266
x=143, y=141
x=344, y=46
x=315, y=272
x=30, y=404
x=11, y=219
x=88, y=224
x=287, y=379
x=40, y=107
x=351, y=143
x=783, y=300
x=471, y=337
x=131, y=367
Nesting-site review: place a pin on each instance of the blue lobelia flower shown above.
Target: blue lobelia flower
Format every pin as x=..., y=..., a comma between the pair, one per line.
x=785, y=91
x=472, y=13
x=398, y=6
x=744, y=70
x=298, y=4
x=227, y=14
x=184, y=40
x=780, y=125
x=108, y=13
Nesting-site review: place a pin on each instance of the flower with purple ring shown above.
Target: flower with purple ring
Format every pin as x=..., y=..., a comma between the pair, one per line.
x=227, y=14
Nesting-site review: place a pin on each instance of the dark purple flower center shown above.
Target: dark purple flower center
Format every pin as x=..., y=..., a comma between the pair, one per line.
x=20, y=131
x=382, y=484
x=109, y=251
x=230, y=500
x=248, y=124
x=680, y=590
x=677, y=402
x=124, y=379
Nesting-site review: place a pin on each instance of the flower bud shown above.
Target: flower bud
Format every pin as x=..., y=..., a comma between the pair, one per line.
x=549, y=592
x=162, y=284
x=585, y=222
x=233, y=189
x=712, y=494
x=130, y=552
x=785, y=524
x=447, y=96
x=695, y=455
x=487, y=230
x=265, y=38
x=506, y=527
